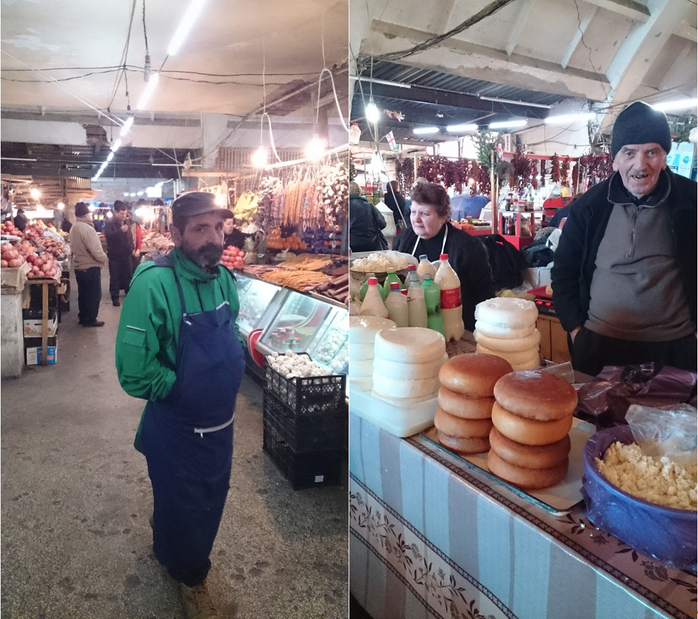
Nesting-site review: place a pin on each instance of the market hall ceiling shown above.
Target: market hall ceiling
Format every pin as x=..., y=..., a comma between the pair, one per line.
x=530, y=51
x=80, y=48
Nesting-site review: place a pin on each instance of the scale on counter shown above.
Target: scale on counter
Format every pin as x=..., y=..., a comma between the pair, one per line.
x=543, y=301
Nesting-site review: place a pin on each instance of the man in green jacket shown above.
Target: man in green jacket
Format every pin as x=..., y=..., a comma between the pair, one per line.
x=178, y=348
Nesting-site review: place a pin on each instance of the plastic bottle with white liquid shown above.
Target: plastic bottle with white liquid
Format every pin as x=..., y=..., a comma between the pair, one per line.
x=425, y=268
x=451, y=304
x=416, y=306
x=373, y=301
x=396, y=303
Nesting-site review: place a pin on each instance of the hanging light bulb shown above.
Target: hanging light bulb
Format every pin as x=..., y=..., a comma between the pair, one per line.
x=260, y=157
x=187, y=162
x=110, y=214
x=60, y=206
x=315, y=149
x=372, y=112
x=221, y=199
x=35, y=193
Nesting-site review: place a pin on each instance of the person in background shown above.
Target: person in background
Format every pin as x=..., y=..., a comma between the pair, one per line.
x=233, y=236
x=624, y=277
x=365, y=223
x=395, y=201
x=408, y=202
x=137, y=236
x=561, y=214
x=88, y=260
x=21, y=220
x=120, y=249
x=433, y=234
x=178, y=347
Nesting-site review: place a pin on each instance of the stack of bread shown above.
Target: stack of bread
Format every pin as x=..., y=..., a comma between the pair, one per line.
x=463, y=418
x=362, y=335
x=406, y=364
x=506, y=327
x=532, y=416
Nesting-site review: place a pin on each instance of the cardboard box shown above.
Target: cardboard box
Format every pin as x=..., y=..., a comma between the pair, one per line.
x=32, y=327
x=538, y=276
x=33, y=355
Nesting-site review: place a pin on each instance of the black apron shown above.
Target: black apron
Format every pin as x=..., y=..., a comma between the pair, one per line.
x=187, y=439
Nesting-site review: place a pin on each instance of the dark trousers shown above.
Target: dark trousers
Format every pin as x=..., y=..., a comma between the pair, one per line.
x=120, y=273
x=591, y=352
x=89, y=293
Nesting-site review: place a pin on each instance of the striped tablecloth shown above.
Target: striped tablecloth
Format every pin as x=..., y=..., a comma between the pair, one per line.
x=432, y=539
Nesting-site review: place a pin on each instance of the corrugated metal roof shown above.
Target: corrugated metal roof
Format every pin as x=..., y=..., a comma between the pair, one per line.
x=429, y=78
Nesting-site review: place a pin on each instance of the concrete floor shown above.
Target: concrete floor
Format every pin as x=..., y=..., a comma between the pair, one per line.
x=76, y=498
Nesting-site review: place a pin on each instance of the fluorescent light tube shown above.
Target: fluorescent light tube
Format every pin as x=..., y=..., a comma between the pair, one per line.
x=127, y=126
x=184, y=26
x=425, y=130
x=683, y=104
x=568, y=118
x=461, y=128
x=509, y=124
x=148, y=92
x=116, y=145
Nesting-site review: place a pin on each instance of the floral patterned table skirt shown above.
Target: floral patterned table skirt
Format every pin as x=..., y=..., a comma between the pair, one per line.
x=430, y=538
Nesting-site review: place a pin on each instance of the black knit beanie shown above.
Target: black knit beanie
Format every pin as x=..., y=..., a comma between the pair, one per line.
x=640, y=123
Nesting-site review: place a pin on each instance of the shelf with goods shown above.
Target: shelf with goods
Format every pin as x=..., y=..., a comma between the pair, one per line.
x=33, y=263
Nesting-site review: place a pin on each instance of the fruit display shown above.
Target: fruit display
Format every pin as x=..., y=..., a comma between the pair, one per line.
x=292, y=242
x=52, y=246
x=11, y=256
x=15, y=254
x=43, y=265
x=233, y=258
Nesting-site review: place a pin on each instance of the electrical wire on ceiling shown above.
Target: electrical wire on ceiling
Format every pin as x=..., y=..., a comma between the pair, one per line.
x=490, y=9
x=136, y=67
x=124, y=56
x=591, y=62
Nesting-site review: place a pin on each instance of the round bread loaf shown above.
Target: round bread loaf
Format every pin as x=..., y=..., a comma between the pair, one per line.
x=461, y=428
x=463, y=445
x=529, y=456
x=473, y=374
x=460, y=405
x=536, y=395
x=502, y=344
x=530, y=479
x=529, y=431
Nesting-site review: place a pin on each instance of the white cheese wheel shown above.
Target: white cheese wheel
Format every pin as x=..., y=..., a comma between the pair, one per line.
x=399, y=388
x=502, y=332
x=524, y=357
x=360, y=352
x=363, y=329
x=508, y=344
x=410, y=345
x=408, y=371
x=403, y=401
x=507, y=312
x=361, y=369
x=364, y=384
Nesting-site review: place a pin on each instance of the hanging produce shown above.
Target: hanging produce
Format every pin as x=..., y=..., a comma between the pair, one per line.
x=542, y=172
x=333, y=182
x=555, y=169
x=406, y=175
x=246, y=207
x=565, y=172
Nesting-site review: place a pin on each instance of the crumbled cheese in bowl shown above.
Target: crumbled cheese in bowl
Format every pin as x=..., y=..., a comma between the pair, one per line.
x=657, y=480
x=380, y=263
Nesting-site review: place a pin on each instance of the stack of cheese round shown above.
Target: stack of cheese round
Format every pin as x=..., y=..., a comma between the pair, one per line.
x=532, y=417
x=406, y=364
x=362, y=335
x=506, y=327
x=463, y=418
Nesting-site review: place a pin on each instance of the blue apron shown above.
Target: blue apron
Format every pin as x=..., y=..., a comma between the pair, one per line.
x=187, y=439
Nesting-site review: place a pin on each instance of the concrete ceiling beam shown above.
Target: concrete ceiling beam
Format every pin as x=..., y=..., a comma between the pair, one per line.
x=639, y=50
x=669, y=76
x=628, y=8
x=579, y=35
x=484, y=63
x=521, y=18
x=686, y=31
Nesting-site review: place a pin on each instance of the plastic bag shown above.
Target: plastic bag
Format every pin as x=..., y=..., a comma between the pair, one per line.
x=606, y=400
x=670, y=431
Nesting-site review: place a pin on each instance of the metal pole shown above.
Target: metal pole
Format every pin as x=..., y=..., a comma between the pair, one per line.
x=495, y=194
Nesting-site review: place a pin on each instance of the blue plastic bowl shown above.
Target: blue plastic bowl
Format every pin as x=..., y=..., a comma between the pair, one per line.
x=663, y=533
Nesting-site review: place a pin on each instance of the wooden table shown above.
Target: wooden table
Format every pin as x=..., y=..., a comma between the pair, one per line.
x=44, y=282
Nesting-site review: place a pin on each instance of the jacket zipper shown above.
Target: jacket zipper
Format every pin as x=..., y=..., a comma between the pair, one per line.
x=633, y=231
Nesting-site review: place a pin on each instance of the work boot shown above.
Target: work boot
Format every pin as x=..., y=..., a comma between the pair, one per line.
x=197, y=602
x=115, y=302
x=93, y=323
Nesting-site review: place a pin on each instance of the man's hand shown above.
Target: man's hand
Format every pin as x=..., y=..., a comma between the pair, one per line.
x=124, y=228
x=573, y=333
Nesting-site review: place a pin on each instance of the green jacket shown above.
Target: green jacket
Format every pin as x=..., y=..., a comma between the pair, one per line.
x=146, y=342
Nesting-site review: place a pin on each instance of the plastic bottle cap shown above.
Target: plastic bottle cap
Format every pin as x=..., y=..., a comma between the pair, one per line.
x=394, y=286
x=411, y=267
x=423, y=257
x=372, y=281
x=443, y=257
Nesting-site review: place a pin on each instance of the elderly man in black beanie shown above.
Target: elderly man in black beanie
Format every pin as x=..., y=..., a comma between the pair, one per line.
x=178, y=347
x=624, y=278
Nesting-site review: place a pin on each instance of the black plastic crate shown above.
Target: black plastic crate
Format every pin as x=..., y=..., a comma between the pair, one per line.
x=303, y=470
x=311, y=432
x=315, y=394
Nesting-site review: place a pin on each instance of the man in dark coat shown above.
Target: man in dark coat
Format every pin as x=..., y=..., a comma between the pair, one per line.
x=624, y=278
x=120, y=248
x=365, y=223
x=395, y=201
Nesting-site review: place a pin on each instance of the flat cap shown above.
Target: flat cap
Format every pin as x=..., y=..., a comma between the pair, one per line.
x=197, y=203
